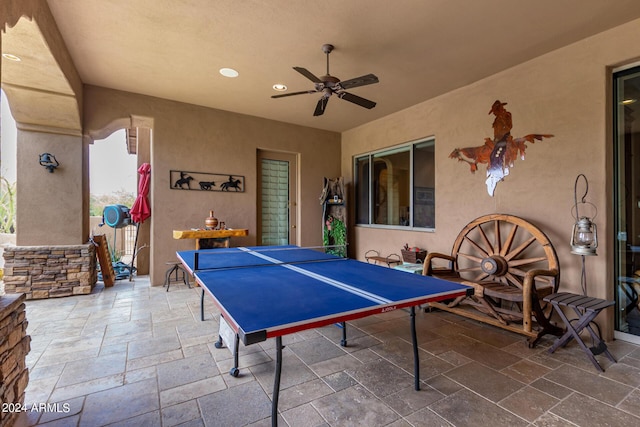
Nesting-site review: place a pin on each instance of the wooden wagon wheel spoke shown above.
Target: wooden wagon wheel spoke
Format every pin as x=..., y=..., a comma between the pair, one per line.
x=507, y=244
x=517, y=271
x=513, y=280
x=525, y=261
x=517, y=251
x=469, y=270
x=480, y=277
x=477, y=246
x=522, y=273
x=498, y=241
x=471, y=257
x=489, y=247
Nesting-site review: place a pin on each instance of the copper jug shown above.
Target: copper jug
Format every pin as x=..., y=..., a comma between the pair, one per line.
x=211, y=222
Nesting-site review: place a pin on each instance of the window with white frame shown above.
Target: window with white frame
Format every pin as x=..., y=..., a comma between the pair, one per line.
x=395, y=187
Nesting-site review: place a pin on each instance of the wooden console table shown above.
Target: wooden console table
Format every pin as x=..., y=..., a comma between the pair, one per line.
x=206, y=239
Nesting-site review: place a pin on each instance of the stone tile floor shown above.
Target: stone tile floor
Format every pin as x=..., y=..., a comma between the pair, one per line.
x=135, y=355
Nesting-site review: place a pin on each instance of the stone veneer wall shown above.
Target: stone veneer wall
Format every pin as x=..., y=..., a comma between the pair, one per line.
x=50, y=271
x=14, y=347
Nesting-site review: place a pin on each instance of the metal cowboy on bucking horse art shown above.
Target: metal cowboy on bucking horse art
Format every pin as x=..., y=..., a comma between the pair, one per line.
x=500, y=152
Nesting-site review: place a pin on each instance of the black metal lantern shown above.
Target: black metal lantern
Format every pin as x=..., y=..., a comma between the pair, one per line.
x=49, y=162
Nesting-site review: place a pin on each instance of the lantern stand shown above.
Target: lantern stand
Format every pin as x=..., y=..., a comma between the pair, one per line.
x=584, y=235
x=584, y=238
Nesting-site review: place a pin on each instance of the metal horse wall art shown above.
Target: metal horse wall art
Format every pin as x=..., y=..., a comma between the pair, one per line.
x=500, y=152
x=202, y=181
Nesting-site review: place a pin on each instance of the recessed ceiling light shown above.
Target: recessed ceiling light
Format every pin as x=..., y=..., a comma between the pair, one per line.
x=628, y=101
x=11, y=57
x=279, y=87
x=229, y=72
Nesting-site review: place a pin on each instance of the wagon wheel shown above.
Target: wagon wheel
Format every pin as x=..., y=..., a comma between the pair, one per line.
x=502, y=248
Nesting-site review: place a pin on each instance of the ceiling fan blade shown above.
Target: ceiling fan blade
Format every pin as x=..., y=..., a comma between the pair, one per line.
x=321, y=105
x=294, y=93
x=359, y=81
x=308, y=74
x=357, y=100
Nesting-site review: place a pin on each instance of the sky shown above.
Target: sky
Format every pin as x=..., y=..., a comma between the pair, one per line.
x=111, y=168
x=7, y=139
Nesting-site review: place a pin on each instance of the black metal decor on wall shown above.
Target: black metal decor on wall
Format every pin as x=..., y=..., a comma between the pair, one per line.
x=202, y=181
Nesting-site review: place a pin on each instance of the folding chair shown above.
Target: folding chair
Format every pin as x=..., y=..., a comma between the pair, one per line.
x=587, y=309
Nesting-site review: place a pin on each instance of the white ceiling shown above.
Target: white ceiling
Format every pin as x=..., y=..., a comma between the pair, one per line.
x=419, y=49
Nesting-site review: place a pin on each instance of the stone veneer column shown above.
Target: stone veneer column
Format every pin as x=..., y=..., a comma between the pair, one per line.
x=50, y=271
x=14, y=347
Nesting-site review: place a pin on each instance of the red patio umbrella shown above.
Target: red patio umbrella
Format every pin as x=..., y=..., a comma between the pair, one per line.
x=141, y=209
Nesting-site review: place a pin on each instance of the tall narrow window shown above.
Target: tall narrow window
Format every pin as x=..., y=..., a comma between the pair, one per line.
x=275, y=202
x=424, y=214
x=362, y=189
x=395, y=187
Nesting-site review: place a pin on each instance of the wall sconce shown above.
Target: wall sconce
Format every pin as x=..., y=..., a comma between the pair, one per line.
x=49, y=161
x=584, y=236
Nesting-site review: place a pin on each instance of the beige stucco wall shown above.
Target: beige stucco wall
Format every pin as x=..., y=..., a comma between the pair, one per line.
x=50, y=206
x=564, y=93
x=191, y=138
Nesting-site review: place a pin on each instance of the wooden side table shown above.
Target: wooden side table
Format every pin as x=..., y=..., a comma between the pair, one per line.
x=203, y=237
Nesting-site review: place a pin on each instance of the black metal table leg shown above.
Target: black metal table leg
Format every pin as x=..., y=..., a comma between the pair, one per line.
x=202, y=306
x=416, y=356
x=219, y=343
x=343, y=343
x=276, y=383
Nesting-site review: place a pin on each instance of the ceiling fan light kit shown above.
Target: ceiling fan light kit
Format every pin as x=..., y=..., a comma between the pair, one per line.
x=329, y=85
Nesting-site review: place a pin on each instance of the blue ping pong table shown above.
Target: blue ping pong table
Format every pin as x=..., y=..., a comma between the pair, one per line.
x=271, y=291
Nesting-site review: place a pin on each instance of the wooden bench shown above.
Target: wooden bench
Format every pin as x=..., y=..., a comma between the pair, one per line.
x=511, y=265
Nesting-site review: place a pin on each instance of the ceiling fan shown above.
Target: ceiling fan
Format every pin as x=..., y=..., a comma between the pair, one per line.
x=329, y=85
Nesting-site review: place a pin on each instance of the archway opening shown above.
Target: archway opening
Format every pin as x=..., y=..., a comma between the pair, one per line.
x=113, y=182
x=8, y=187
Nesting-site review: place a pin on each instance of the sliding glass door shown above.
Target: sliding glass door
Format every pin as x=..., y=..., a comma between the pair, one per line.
x=626, y=86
